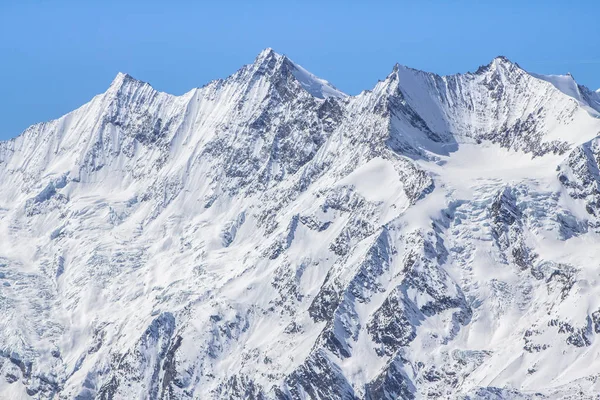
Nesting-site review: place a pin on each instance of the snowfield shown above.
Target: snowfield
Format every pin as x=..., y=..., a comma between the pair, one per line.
x=268, y=237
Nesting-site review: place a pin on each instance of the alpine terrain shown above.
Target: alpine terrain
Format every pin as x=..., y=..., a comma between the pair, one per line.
x=267, y=236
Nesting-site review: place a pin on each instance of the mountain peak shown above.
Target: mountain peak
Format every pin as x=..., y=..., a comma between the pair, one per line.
x=123, y=79
x=266, y=53
x=120, y=79
x=267, y=57
x=502, y=60
x=499, y=62
x=271, y=62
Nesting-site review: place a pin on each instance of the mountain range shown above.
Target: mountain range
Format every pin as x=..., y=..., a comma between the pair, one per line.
x=267, y=236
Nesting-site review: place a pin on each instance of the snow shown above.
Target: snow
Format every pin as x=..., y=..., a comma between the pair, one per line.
x=232, y=238
x=564, y=83
x=316, y=86
x=378, y=181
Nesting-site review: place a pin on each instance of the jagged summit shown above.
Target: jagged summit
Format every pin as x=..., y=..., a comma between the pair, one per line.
x=502, y=60
x=123, y=79
x=497, y=62
x=269, y=60
x=268, y=54
x=500, y=73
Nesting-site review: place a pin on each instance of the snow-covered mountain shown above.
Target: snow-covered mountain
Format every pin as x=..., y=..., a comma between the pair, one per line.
x=268, y=237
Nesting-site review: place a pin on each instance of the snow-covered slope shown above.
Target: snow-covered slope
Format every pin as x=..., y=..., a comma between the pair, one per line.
x=268, y=237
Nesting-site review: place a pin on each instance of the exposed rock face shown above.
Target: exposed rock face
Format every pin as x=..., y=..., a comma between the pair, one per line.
x=268, y=237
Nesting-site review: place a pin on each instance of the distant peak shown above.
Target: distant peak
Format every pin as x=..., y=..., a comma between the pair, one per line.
x=498, y=62
x=123, y=79
x=504, y=62
x=267, y=55
x=122, y=75
x=502, y=59
x=272, y=63
x=120, y=79
x=268, y=62
x=395, y=70
x=266, y=52
x=399, y=72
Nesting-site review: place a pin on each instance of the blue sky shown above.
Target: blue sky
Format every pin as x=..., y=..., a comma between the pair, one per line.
x=56, y=55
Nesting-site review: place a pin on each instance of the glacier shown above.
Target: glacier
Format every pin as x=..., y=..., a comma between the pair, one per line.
x=267, y=236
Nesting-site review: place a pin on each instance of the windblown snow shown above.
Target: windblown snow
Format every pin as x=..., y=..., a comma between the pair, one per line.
x=268, y=237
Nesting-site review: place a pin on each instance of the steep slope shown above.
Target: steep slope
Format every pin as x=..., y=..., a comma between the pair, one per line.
x=266, y=236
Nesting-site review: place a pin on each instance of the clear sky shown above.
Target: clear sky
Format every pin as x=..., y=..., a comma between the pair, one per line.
x=56, y=55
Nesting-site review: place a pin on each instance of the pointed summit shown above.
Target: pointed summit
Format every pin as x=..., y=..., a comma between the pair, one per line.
x=268, y=63
x=271, y=63
x=120, y=78
x=266, y=55
x=123, y=80
x=399, y=69
x=267, y=52
x=499, y=62
x=502, y=60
